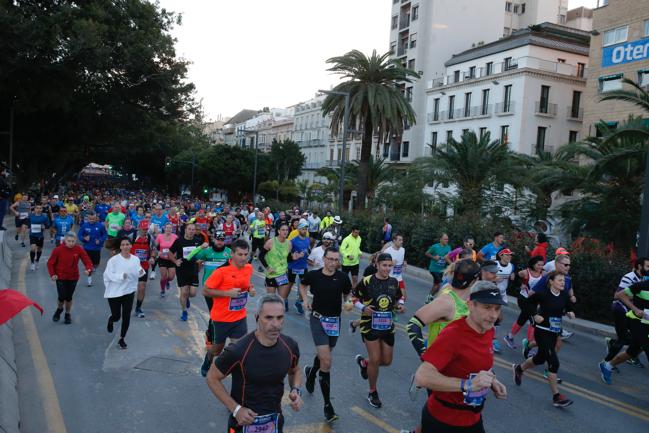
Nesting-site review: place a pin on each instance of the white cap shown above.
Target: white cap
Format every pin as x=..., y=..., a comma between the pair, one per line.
x=328, y=235
x=337, y=220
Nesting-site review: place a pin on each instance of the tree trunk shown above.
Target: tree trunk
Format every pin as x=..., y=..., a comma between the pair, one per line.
x=363, y=165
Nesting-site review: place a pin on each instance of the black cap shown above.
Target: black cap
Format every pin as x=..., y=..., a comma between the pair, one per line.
x=219, y=235
x=489, y=266
x=486, y=292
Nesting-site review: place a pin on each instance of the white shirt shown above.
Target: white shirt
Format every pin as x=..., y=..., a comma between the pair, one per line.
x=116, y=284
x=398, y=257
x=314, y=224
x=317, y=257
x=549, y=267
x=503, y=274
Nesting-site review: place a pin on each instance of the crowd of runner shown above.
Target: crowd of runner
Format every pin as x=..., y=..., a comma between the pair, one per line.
x=187, y=244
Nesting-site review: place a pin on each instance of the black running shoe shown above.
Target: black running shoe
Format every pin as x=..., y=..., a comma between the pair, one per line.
x=122, y=344
x=68, y=319
x=310, y=381
x=57, y=314
x=561, y=400
x=329, y=413
x=518, y=374
x=109, y=326
x=359, y=361
x=373, y=399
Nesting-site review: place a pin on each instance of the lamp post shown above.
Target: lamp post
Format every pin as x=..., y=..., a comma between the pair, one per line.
x=341, y=199
x=254, y=170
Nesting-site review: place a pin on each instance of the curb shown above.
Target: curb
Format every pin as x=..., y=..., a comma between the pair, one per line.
x=9, y=409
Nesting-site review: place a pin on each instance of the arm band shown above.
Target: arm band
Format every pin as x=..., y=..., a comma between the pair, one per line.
x=262, y=256
x=359, y=305
x=236, y=411
x=414, y=330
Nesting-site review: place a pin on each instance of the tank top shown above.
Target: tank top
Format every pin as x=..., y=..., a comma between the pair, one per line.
x=530, y=282
x=277, y=258
x=300, y=245
x=164, y=245
x=461, y=310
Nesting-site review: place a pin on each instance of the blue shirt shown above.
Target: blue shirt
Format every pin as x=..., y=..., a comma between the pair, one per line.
x=37, y=224
x=102, y=210
x=160, y=221
x=489, y=251
x=299, y=245
x=542, y=284
x=63, y=225
x=96, y=232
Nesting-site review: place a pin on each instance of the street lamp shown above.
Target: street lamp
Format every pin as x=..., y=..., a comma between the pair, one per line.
x=341, y=199
x=254, y=170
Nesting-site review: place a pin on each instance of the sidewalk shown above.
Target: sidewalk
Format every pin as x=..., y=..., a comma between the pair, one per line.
x=573, y=325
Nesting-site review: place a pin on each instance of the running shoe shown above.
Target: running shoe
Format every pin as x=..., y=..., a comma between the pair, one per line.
x=68, y=319
x=16, y=238
x=22, y=244
x=413, y=389
x=57, y=315
x=496, y=345
x=286, y=304
x=162, y=294
x=517, y=372
x=183, y=316
x=89, y=281
x=565, y=335
x=122, y=343
x=36, y=265
x=352, y=327
x=329, y=413
x=206, y=365
x=635, y=362
x=152, y=275
x=298, y=307
x=310, y=381
x=605, y=373
x=509, y=341
x=109, y=326
x=373, y=399
x=560, y=400
x=362, y=364
x=545, y=375
x=139, y=313
x=32, y=267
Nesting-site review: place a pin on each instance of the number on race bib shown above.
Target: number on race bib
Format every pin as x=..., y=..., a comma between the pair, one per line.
x=35, y=228
x=555, y=324
x=263, y=424
x=382, y=320
x=475, y=398
x=330, y=325
x=238, y=303
x=281, y=280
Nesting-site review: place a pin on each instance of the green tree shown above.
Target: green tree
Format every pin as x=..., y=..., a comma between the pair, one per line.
x=378, y=171
x=287, y=159
x=405, y=193
x=377, y=105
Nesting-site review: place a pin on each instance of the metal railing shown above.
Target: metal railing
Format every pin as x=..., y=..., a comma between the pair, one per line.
x=404, y=21
x=575, y=114
x=505, y=107
x=545, y=109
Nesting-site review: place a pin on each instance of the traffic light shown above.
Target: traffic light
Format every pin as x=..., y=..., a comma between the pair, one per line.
x=167, y=162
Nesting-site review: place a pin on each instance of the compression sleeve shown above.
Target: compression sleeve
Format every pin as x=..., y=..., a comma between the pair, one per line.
x=415, y=334
x=262, y=256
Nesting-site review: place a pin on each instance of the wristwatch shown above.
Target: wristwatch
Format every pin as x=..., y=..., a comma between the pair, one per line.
x=297, y=390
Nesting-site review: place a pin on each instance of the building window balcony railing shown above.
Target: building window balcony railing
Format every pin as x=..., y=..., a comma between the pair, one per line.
x=404, y=21
x=576, y=113
x=401, y=50
x=505, y=108
x=434, y=117
x=545, y=109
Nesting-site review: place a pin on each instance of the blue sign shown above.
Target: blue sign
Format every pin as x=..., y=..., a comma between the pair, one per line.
x=625, y=53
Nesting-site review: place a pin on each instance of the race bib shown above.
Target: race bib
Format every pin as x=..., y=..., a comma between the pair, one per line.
x=214, y=265
x=298, y=271
x=35, y=228
x=114, y=227
x=187, y=251
x=441, y=262
x=382, y=320
x=397, y=269
x=330, y=325
x=261, y=232
x=165, y=253
x=263, y=424
x=555, y=324
x=475, y=398
x=23, y=215
x=141, y=254
x=238, y=303
x=281, y=280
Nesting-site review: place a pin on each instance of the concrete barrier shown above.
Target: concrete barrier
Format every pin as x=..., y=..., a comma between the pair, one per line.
x=9, y=410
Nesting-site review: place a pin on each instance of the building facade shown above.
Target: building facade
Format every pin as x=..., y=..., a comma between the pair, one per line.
x=619, y=49
x=525, y=90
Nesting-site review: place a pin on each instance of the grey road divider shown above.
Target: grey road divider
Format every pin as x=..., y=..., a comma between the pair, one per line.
x=9, y=410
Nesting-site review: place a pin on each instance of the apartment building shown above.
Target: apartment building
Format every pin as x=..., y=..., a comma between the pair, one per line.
x=619, y=49
x=426, y=33
x=525, y=90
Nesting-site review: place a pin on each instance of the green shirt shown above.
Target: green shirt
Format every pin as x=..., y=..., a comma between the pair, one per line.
x=351, y=246
x=440, y=250
x=277, y=258
x=258, y=229
x=461, y=310
x=213, y=260
x=114, y=223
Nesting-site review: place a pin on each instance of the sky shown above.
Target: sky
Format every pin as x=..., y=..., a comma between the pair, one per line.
x=272, y=53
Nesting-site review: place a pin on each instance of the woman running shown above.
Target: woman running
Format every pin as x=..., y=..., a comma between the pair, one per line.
x=529, y=277
x=163, y=243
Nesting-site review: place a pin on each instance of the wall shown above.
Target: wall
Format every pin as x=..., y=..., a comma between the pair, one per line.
x=9, y=414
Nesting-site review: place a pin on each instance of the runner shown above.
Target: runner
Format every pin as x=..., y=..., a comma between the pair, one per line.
x=92, y=235
x=158, y=220
x=298, y=266
x=52, y=209
x=38, y=223
x=376, y=297
x=504, y=275
x=62, y=224
x=229, y=228
x=121, y=277
x=63, y=267
x=114, y=221
x=386, y=231
x=258, y=235
x=489, y=272
x=187, y=271
x=21, y=209
x=274, y=257
x=128, y=230
x=457, y=367
x=228, y=287
x=329, y=287
x=259, y=362
x=489, y=251
x=316, y=258
x=314, y=227
x=398, y=254
x=541, y=247
x=142, y=250
x=437, y=253
x=547, y=308
x=327, y=221
x=163, y=244
x=467, y=244
x=350, y=251
x=552, y=264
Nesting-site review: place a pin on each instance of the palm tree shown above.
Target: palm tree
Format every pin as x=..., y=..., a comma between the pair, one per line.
x=333, y=180
x=378, y=171
x=471, y=164
x=377, y=105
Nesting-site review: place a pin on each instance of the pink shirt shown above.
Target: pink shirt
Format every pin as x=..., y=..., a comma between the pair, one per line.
x=164, y=245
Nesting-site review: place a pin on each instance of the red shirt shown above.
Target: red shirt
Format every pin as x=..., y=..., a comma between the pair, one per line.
x=225, y=309
x=457, y=352
x=64, y=262
x=540, y=250
x=141, y=248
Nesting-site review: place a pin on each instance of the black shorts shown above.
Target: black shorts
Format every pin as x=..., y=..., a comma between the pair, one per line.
x=144, y=278
x=233, y=426
x=166, y=263
x=21, y=222
x=314, y=235
x=372, y=335
x=437, y=277
x=353, y=269
x=65, y=289
x=292, y=276
x=432, y=425
x=221, y=331
x=38, y=241
x=272, y=282
x=95, y=257
x=187, y=278
x=320, y=338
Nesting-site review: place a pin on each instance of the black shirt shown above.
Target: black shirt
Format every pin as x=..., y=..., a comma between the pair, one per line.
x=258, y=371
x=130, y=234
x=327, y=291
x=549, y=306
x=182, y=247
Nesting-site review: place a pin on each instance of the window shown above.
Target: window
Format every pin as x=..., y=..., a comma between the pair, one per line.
x=572, y=136
x=415, y=13
x=508, y=6
x=504, y=134
x=406, y=125
x=522, y=8
x=411, y=64
x=576, y=105
x=394, y=2
x=489, y=68
x=386, y=150
x=465, y=131
x=451, y=107
x=581, y=67
x=456, y=76
x=615, y=36
x=610, y=82
x=405, y=148
x=436, y=109
x=449, y=135
x=331, y=154
x=413, y=40
x=467, y=104
x=540, y=138
x=433, y=140
x=395, y=22
x=507, y=99
x=393, y=47
x=409, y=93
x=472, y=72
x=508, y=63
x=506, y=32
x=483, y=132
x=562, y=19
x=515, y=9
x=484, y=109
x=643, y=78
x=545, y=99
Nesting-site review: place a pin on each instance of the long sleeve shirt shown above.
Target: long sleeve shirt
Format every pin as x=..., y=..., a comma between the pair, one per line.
x=351, y=246
x=64, y=262
x=95, y=233
x=121, y=275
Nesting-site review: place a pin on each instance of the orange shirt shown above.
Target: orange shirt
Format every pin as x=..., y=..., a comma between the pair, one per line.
x=226, y=309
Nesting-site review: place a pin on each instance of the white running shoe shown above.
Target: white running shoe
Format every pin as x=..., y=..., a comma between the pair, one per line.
x=89, y=281
x=32, y=267
x=152, y=275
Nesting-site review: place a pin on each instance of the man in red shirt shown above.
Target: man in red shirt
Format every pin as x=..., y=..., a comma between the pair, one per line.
x=457, y=367
x=63, y=266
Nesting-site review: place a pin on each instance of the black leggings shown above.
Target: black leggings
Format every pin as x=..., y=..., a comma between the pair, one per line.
x=431, y=425
x=622, y=332
x=523, y=316
x=639, y=338
x=120, y=308
x=547, y=342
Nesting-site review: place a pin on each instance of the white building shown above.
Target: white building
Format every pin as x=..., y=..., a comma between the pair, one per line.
x=525, y=90
x=425, y=33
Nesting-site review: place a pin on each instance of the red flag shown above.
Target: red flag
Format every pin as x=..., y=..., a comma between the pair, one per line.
x=13, y=302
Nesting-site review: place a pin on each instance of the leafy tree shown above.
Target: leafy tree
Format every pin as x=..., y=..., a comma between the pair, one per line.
x=287, y=159
x=405, y=193
x=377, y=105
x=378, y=171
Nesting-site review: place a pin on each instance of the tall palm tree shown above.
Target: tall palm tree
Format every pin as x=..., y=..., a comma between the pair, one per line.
x=471, y=164
x=378, y=171
x=377, y=105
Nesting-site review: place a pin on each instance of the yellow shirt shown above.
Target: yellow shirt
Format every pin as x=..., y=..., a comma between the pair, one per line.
x=72, y=208
x=295, y=233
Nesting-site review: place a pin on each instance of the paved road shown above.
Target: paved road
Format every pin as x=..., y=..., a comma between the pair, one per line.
x=75, y=379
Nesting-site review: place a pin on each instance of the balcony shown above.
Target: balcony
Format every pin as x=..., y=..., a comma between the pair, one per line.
x=505, y=108
x=543, y=108
x=401, y=50
x=576, y=114
x=434, y=117
x=404, y=21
